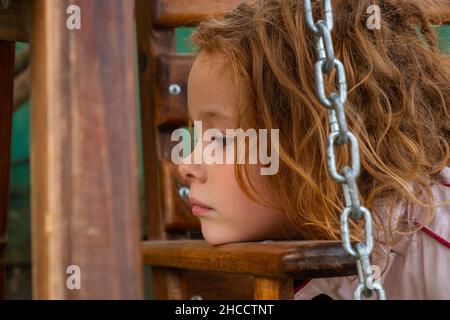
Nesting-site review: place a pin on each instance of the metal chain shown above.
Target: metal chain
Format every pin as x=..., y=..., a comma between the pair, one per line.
x=339, y=136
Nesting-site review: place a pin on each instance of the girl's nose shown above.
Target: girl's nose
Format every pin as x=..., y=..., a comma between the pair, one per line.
x=191, y=171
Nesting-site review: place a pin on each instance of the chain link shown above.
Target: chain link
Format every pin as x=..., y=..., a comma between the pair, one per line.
x=339, y=136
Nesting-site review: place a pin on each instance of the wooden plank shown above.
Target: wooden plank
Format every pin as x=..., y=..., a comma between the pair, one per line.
x=273, y=289
x=173, y=284
x=190, y=284
x=188, y=12
x=6, y=109
x=217, y=286
x=168, y=13
x=150, y=45
x=162, y=279
x=15, y=21
x=171, y=109
x=176, y=210
x=282, y=259
x=84, y=154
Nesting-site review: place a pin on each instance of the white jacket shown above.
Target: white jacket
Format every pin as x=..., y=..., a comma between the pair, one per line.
x=419, y=266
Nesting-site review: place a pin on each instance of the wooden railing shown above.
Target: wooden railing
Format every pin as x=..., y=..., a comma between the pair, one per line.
x=15, y=22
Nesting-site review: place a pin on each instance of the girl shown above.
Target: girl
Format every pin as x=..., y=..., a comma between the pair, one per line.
x=255, y=69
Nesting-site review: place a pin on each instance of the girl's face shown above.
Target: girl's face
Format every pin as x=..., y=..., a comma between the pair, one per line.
x=233, y=217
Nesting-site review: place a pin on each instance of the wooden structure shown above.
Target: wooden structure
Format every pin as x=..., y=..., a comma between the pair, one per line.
x=84, y=154
x=85, y=208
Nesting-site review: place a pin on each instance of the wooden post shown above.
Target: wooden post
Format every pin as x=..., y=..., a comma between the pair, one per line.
x=6, y=107
x=84, y=154
x=162, y=279
x=273, y=289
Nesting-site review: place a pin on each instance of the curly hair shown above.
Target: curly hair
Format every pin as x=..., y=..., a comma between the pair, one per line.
x=399, y=93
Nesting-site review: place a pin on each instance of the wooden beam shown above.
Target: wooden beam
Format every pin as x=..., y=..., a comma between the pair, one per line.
x=280, y=259
x=151, y=44
x=6, y=109
x=15, y=21
x=169, y=13
x=188, y=12
x=84, y=153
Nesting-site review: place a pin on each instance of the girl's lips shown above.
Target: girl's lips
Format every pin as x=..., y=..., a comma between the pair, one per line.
x=199, y=210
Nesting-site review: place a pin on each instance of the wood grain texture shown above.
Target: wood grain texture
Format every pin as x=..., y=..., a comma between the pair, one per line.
x=186, y=284
x=217, y=286
x=162, y=113
x=150, y=45
x=84, y=154
x=273, y=289
x=167, y=283
x=6, y=109
x=190, y=12
x=15, y=22
x=172, y=69
x=282, y=259
x=176, y=210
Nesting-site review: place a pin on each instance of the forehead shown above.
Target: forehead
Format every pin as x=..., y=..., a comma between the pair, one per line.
x=211, y=93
